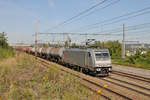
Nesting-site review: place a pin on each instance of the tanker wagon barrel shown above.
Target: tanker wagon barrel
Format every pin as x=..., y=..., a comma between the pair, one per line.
x=48, y=56
x=39, y=52
x=32, y=50
x=56, y=54
x=43, y=53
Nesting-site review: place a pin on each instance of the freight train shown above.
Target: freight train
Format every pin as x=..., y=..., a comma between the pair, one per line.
x=94, y=61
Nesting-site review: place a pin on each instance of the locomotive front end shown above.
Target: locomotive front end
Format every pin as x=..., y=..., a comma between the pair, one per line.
x=102, y=62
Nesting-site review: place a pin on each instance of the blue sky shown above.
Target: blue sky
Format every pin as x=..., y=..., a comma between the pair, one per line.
x=17, y=18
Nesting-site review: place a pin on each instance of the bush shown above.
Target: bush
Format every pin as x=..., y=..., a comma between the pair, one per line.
x=131, y=60
x=137, y=60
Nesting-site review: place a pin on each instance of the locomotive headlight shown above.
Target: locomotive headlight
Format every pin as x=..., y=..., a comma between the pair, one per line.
x=98, y=69
x=110, y=69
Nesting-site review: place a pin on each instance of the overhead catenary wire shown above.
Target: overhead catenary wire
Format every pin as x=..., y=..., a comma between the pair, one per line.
x=137, y=32
x=105, y=32
x=117, y=32
x=128, y=28
x=90, y=13
x=81, y=13
x=139, y=37
x=115, y=19
x=123, y=19
x=128, y=18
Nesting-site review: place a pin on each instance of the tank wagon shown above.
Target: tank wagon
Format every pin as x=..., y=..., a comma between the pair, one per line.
x=43, y=53
x=56, y=54
x=33, y=51
x=39, y=52
x=28, y=50
x=96, y=61
x=48, y=56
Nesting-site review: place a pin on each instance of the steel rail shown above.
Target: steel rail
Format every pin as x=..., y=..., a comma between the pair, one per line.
x=127, y=87
x=132, y=76
x=148, y=89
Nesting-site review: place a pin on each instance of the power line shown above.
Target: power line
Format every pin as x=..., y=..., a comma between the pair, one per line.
x=118, y=17
x=139, y=37
x=128, y=18
x=129, y=28
x=112, y=3
x=106, y=32
x=92, y=34
x=81, y=13
x=144, y=31
x=114, y=32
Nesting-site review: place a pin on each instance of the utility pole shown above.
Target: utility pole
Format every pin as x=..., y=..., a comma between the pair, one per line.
x=123, y=42
x=36, y=32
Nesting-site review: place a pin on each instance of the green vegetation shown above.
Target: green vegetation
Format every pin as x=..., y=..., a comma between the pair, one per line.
x=113, y=46
x=3, y=40
x=5, y=50
x=22, y=78
x=6, y=53
x=138, y=60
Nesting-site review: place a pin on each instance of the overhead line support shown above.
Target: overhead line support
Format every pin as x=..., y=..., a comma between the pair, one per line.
x=36, y=32
x=123, y=42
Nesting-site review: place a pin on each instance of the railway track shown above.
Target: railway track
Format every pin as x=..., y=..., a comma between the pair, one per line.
x=138, y=88
x=132, y=87
x=132, y=76
x=129, y=83
x=90, y=82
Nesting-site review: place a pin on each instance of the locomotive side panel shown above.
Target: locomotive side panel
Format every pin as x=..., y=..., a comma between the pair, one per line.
x=74, y=57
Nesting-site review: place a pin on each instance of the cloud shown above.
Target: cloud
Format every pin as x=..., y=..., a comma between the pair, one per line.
x=51, y=3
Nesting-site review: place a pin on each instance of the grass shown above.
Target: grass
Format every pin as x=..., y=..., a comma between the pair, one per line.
x=21, y=78
x=6, y=53
x=128, y=62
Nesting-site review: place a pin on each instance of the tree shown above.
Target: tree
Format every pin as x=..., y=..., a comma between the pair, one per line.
x=45, y=45
x=66, y=44
x=113, y=46
x=3, y=40
x=97, y=44
x=74, y=45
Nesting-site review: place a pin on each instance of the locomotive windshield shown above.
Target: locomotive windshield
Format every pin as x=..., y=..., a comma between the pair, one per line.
x=102, y=56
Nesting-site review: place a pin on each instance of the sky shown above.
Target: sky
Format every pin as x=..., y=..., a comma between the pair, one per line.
x=17, y=19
